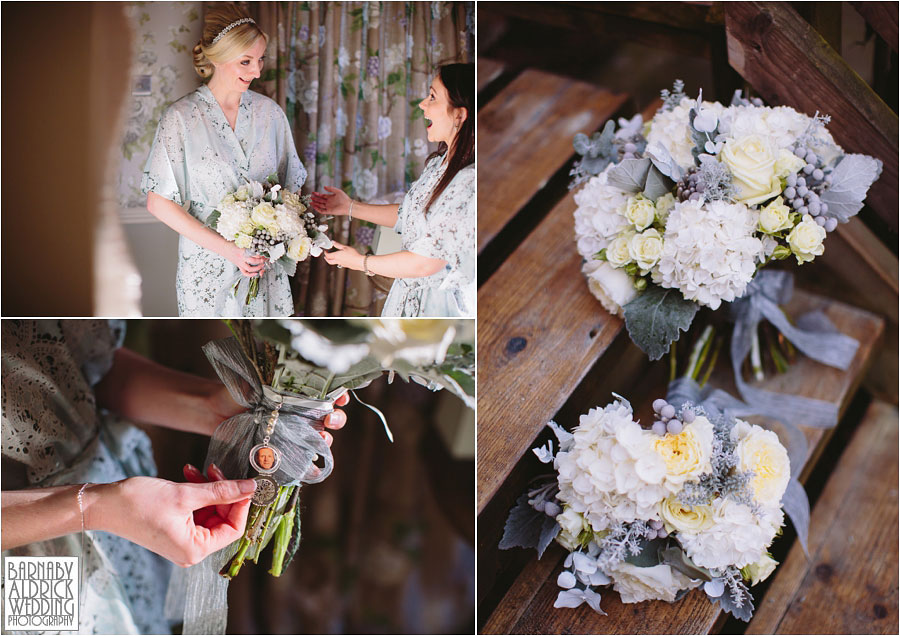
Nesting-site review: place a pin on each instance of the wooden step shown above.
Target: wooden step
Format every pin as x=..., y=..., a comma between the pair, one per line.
x=849, y=583
x=525, y=136
x=528, y=606
x=488, y=71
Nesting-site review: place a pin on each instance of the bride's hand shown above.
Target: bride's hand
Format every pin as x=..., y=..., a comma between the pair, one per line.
x=250, y=266
x=344, y=256
x=163, y=516
x=337, y=203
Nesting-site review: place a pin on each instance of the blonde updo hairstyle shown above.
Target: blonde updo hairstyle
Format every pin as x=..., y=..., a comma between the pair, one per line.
x=230, y=45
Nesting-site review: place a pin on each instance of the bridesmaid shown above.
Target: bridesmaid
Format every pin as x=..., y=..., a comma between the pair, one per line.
x=209, y=143
x=435, y=272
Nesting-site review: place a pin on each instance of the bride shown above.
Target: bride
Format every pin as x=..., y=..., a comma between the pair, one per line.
x=435, y=272
x=207, y=144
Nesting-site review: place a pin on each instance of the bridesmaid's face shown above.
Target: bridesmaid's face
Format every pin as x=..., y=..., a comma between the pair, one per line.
x=237, y=74
x=441, y=115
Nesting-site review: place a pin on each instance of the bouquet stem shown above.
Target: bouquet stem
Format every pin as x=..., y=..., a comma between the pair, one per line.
x=233, y=566
x=283, y=535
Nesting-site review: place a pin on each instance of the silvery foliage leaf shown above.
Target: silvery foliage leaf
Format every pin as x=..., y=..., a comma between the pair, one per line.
x=213, y=219
x=629, y=128
x=544, y=453
x=796, y=505
x=444, y=376
x=699, y=138
x=727, y=603
x=657, y=184
x=597, y=152
x=850, y=182
x=664, y=162
x=321, y=350
x=630, y=175
x=347, y=331
x=672, y=98
x=528, y=528
x=649, y=555
x=656, y=317
x=312, y=380
x=675, y=557
x=562, y=435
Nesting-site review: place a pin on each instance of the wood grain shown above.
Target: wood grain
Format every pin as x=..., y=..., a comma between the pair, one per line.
x=539, y=331
x=525, y=135
x=789, y=63
x=881, y=16
x=849, y=584
x=694, y=613
x=488, y=71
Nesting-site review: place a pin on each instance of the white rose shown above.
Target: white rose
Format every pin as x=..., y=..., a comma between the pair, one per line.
x=617, y=253
x=612, y=287
x=775, y=217
x=640, y=212
x=571, y=521
x=243, y=241
x=298, y=248
x=664, y=205
x=806, y=239
x=646, y=248
x=636, y=584
x=677, y=516
x=759, y=571
x=759, y=451
x=787, y=163
x=242, y=193
x=567, y=540
x=752, y=165
x=264, y=216
x=686, y=455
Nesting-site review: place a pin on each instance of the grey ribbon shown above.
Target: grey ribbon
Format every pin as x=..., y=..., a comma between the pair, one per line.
x=716, y=403
x=815, y=336
x=296, y=437
x=235, y=291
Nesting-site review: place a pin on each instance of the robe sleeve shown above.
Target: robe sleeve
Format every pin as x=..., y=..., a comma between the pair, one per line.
x=450, y=223
x=291, y=172
x=166, y=170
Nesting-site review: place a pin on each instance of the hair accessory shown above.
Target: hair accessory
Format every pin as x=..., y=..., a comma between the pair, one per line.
x=231, y=26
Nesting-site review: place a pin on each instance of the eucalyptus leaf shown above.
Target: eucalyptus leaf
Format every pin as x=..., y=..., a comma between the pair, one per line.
x=527, y=528
x=657, y=184
x=675, y=557
x=649, y=554
x=630, y=175
x=213, y=219
x=656, y=317
x=664, y=162
x=850, y=182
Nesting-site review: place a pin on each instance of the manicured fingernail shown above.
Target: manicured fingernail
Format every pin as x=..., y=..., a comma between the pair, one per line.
x=247, y=485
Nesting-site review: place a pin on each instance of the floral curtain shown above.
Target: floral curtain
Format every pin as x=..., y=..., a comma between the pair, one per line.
x=349, y=75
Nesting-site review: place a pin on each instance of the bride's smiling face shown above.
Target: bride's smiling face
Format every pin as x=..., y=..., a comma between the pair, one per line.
x=237, y=74
x=441, y=115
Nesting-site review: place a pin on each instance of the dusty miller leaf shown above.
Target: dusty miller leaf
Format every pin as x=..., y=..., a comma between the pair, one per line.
x=649, y=554
x=850, y=182
x=726, y=602
x=527, y=528
x=677, y=559
x=656, y=317
x=630, y=175
x=657, y=184
x=664, y=161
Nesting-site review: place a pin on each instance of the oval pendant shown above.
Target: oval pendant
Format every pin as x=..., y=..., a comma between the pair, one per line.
x=266, y=490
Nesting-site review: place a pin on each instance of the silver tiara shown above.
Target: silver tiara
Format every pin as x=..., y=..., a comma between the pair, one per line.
x=231, y=26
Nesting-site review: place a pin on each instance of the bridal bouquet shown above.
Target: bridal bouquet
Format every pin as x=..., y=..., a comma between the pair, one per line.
x=692, y=499
x=268, y=221
x=684, y=210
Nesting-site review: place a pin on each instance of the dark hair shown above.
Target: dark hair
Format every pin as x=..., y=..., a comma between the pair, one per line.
x=459, y=80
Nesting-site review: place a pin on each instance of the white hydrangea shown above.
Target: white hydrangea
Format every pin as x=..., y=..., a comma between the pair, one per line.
x=234, y=219
x=608, y=471
x=657, y=583
x=710, y=251
x=672, y=130
x=736, y=537
x=599, y=217
x=289, y=221
x=781, y=124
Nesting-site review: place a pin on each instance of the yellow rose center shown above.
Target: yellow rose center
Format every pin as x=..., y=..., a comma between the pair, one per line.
x=679, y=452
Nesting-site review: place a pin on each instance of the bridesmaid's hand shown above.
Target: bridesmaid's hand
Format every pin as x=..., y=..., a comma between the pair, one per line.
x=337, y=203
x=250, y=266
x=344, y=256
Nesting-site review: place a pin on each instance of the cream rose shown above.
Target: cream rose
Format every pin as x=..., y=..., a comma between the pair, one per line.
x=659, y=582
x=752, y=165
x=617, y=253
x=664, y=205
x=787, y=163
x=646, y=248
x=759, y=571
x=293, y=201
x=242, y=193
x=243, y=241
x=806, y=240
x=571, y=521
x=640, y=212
x=612, y=287
x=686, y=455
x=264, y=215
x=759, y=451
x=775, y=217
x=298, y=249
x=677, y=516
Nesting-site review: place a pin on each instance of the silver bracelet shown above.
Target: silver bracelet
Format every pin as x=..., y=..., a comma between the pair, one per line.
x=83, y=558
x=366, y=265
x=350, y=213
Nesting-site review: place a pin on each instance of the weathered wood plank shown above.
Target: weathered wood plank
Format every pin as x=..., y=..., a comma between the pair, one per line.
x=525, y=136
x=694, y=613
x=488, y=71
x=849, y=584
x=789, y=63
x=881, y=16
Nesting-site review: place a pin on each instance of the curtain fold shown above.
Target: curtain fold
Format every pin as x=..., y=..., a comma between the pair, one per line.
x=350, y=75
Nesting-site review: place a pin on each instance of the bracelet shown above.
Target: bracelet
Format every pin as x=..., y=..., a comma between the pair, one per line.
x=350, y=213
x=366, y=265
x=80, y=498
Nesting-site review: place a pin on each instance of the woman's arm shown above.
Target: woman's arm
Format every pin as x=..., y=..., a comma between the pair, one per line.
x=176, y=218
x=397, y=265
x=338, y=204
